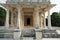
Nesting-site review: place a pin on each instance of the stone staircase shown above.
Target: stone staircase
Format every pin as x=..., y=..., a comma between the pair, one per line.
x=50, y=34
x=31, y=34
x=6, y=34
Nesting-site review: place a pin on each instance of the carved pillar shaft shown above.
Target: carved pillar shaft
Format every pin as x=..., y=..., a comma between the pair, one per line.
x=7, y=18
x=37, y=17
x=11, y=19
x=19, y=17
x=49, y=20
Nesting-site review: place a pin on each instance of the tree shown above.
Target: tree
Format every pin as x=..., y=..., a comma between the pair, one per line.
x=55, y=19
x=2, y=16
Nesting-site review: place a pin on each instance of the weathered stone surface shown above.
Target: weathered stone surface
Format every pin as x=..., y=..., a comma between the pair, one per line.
x=27, y=1
x=50, y=34
x=6, y=34
x=28, y=33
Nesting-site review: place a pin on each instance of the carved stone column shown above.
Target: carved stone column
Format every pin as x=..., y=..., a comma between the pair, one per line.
x=7, y=18
x=19, y=17
x=49, y=20
x=37, y=17
x=11, y=18
x=44, y=21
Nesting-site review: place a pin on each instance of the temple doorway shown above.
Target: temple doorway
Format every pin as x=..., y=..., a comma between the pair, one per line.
x=28, y=20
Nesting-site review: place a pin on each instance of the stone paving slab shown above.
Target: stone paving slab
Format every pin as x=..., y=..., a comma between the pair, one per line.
x=36, y=39
x=5, y=39
x=51, y=39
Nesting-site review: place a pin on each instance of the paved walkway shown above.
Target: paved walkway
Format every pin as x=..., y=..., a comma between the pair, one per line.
x=6, y=39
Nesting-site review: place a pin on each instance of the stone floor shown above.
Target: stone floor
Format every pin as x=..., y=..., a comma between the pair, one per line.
x=5, y=39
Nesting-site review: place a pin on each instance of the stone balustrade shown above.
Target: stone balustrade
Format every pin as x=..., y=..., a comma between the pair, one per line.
x=28, y=1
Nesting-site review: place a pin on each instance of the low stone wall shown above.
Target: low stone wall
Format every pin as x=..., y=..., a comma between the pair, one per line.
x=9, y=33
x=56, y=28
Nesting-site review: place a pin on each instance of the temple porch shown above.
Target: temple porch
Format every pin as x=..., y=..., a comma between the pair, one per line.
x=27, y=16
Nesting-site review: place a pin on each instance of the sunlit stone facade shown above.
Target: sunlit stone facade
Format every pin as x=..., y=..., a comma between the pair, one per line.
x=23, y=14
x=27, y=17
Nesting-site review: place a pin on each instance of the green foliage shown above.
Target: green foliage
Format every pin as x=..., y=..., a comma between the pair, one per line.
x=55, y=19
x=2, y=16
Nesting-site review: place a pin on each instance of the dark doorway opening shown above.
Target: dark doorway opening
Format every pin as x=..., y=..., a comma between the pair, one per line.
x=28, y=21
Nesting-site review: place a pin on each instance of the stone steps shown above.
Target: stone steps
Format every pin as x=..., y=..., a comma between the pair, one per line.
x=6, y=34
x=50, y=34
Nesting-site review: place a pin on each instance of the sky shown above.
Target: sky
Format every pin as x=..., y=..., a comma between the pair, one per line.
x=54, y=9
x=57, y=7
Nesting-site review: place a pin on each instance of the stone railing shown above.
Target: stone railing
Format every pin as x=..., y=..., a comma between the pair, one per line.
x=28, y=2
x=54, y=27
x=35, y=2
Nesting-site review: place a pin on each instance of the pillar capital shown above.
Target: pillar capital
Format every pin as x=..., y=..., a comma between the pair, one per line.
x=37, y=9
x=8, y=7
x=18, y=6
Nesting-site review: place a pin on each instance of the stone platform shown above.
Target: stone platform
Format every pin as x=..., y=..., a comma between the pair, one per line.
x=29, y=34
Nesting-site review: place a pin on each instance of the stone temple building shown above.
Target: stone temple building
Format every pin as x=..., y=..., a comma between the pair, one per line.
x=27, y=14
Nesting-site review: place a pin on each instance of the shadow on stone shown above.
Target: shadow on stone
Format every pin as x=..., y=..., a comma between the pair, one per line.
x=28, y=33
